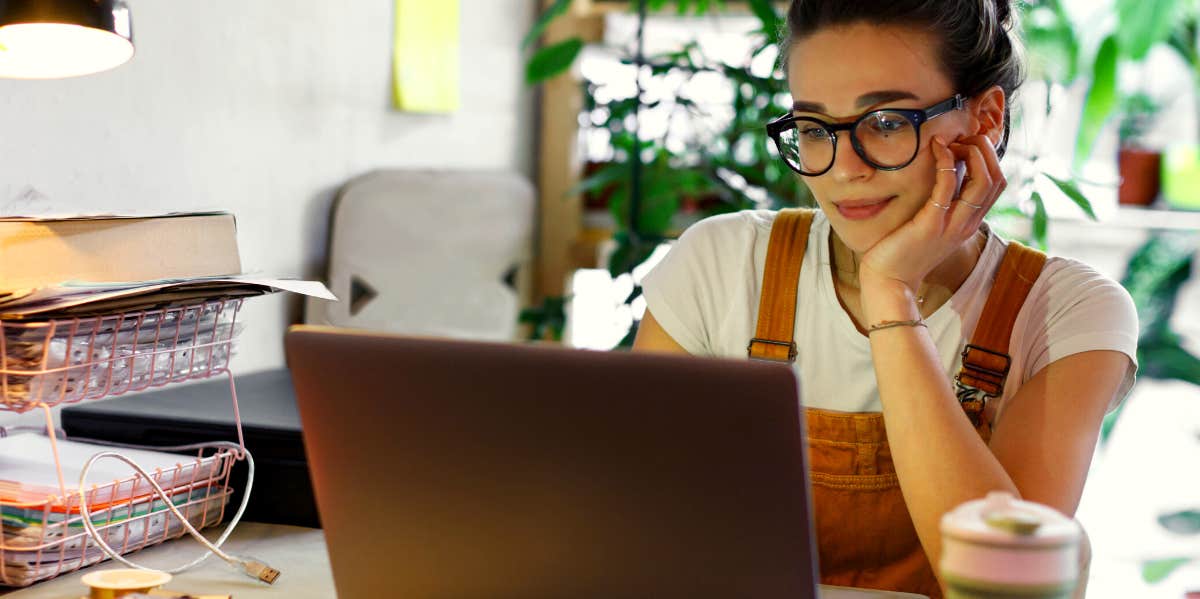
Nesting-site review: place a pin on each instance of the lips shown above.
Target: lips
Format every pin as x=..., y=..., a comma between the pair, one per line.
x=862, y=208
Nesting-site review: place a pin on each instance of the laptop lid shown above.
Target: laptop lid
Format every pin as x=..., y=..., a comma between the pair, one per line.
x=450, y=468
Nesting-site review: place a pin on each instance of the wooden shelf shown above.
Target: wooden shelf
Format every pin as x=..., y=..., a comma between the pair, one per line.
x=1153, y=218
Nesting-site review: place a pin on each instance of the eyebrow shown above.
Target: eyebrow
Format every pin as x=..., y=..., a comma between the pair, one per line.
x=865, y=100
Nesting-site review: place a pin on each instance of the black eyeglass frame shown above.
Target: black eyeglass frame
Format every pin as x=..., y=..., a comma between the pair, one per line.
x=915, y=116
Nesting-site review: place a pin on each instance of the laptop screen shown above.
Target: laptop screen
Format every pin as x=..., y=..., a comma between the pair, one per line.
x=465, y=469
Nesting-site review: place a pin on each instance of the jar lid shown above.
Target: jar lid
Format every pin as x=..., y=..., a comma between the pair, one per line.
x=111, y=584
x=1001, y=518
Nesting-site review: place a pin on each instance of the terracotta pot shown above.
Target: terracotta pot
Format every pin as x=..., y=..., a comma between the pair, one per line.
x=1141, y=176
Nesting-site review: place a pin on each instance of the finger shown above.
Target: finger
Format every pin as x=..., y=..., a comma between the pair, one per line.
x=991, y=159
x=941, y=198
x=977, y=194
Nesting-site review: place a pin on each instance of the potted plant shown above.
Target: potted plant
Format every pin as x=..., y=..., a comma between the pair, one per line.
x=1138, y=163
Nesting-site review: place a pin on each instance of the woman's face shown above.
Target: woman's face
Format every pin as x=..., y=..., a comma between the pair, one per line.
x=840, y=73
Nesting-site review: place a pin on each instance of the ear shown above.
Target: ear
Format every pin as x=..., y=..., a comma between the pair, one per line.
x=987, y=114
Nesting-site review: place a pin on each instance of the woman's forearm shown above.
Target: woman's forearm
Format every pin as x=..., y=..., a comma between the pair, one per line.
x=939, y=457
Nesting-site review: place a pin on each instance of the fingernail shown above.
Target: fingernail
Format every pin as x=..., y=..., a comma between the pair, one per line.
x=939, y=141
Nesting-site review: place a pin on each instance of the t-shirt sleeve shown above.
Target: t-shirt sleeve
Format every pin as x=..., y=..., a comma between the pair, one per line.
x=685, y=289
x=1082, y=310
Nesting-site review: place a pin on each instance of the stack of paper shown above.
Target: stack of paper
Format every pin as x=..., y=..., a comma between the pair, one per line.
x=43, y=534
x=67, y=361
x=76, y=299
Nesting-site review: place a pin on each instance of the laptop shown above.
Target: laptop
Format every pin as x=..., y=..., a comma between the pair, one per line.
x=459, y=469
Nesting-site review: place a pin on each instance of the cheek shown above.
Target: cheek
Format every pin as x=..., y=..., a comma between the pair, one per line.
x=819, y=187
x=922, y=173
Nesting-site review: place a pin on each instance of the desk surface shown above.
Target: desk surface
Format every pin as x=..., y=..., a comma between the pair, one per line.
x=299, y=553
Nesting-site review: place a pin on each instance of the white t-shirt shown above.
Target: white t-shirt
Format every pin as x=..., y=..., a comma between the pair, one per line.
x=705, y=294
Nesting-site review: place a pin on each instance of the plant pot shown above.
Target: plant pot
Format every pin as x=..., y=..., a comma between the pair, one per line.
x=1140, y=176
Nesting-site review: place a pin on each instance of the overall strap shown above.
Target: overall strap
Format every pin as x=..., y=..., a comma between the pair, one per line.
x=986, y=359
x=773, y=339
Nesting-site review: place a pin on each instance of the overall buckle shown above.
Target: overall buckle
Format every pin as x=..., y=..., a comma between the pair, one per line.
x=790, y=345
x=973, y=398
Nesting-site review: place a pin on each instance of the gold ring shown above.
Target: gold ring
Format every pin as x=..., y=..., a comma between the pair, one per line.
x=948, y=169
x=939, y=205
x=975, y=206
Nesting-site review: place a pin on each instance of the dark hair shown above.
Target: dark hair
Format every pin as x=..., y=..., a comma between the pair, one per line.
x=978, y=46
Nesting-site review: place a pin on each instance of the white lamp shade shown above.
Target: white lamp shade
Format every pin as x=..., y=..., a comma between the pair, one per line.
x=76, y=37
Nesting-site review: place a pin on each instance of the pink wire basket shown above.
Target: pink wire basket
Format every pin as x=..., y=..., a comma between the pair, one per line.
x=70, y=360
x=45, y=538
x=45, y=363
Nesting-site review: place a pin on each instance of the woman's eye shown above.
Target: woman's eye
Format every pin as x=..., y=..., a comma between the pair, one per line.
x=888, y=124
x=811, y=133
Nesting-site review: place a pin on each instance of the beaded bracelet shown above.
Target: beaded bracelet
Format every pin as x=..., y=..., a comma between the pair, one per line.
x=887, y=324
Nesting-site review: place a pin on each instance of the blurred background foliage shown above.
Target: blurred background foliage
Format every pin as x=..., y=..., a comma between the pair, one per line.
x=647, y=185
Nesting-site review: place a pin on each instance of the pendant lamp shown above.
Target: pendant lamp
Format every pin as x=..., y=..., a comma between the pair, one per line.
x=52, y=39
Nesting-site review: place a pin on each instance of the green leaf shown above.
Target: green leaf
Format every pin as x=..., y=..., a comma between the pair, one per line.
x=1142, y=24
x=1154, y=276
x=658, y=206
x=1186, y=522
x=1182, y=40
x=626, y=342
x=1072, y=191
x=1168, y=361
x=765, y=11
x=609, y=174
x=1040, y=220
x=552, y=60
x=1053, y=53
x=1157, y=570
x=1101, y=99
x=553, y=12
x=548, y=320
x=628, y=254
x=1068, y=31
x=618, y=207
x=1005, y=212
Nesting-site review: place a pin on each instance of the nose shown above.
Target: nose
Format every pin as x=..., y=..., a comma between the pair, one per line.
x=847, y=164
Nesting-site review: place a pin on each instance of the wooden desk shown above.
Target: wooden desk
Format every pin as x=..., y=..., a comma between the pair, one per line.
x=299, y=553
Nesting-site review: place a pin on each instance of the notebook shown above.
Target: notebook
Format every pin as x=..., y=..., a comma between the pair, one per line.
x=471, y=469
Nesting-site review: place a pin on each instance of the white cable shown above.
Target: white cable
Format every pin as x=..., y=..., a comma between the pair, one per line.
x=252, y=567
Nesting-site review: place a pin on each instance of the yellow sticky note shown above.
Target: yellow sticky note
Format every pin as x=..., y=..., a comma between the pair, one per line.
x=425, y=60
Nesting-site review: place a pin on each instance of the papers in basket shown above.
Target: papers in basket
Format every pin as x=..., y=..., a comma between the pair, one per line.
x=43, y=533
x=28, y=473
x=90, y=299
x=69, y=360
x=69, y=551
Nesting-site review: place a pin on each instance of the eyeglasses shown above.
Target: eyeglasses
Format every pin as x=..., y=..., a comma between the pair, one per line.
x=885, y=139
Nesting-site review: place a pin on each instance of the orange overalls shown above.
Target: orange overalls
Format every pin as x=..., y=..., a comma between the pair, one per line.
x=865, y=536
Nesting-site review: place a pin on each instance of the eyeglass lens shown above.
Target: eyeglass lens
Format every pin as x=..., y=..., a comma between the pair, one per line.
x=888, y=140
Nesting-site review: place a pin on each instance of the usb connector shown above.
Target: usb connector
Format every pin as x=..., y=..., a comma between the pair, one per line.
x=259, y=570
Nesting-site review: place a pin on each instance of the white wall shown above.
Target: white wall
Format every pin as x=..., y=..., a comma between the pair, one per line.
x=263, y=108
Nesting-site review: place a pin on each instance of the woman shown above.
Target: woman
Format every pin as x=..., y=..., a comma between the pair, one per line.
x=893, y=98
